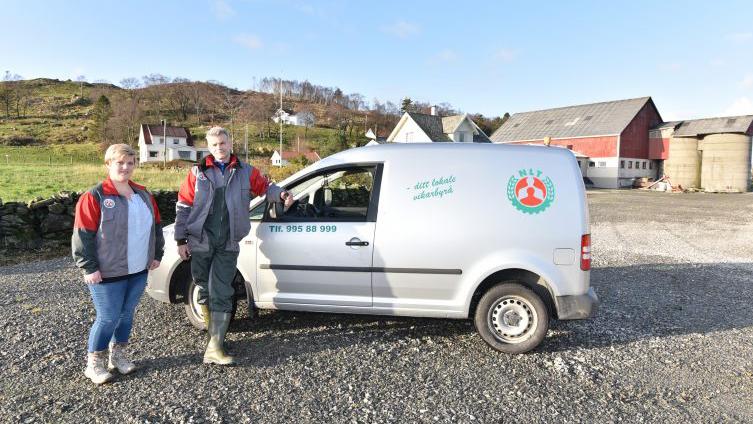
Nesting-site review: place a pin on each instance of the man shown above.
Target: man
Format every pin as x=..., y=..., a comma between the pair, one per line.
x=211, y=218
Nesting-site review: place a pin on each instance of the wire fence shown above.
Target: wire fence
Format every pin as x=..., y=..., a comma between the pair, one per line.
x=25, y=155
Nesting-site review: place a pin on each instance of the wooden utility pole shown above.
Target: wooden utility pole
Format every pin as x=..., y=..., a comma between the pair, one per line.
x=279, y=117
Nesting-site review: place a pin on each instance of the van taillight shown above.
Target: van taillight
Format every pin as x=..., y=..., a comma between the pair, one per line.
x=585, y=252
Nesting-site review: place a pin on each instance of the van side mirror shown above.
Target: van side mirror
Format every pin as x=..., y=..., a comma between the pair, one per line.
x=276, y=210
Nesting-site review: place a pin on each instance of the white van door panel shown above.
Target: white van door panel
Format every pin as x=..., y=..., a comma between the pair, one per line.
x=310, y=263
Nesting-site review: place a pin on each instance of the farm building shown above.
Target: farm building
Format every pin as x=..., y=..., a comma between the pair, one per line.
x=713, y=154
x=610, y=139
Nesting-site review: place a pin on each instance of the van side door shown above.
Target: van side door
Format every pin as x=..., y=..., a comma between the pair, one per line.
x=319, y=252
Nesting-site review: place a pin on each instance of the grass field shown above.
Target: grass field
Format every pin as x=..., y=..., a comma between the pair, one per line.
x=24, y=182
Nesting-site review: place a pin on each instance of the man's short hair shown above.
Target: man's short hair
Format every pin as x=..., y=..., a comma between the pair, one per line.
x=218, y=132
x=117, y=151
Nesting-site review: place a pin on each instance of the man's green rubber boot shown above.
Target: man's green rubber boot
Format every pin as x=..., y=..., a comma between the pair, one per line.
x=215, y=353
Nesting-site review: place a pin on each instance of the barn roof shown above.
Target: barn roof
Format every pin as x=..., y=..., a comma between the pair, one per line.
x=729, y=124
x=594, y=119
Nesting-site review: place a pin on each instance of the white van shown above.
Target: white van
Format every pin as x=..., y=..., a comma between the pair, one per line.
x=496, y=233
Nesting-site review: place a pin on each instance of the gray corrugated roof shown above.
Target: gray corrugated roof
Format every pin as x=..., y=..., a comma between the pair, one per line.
x=593, y=119
x=431, y=124
x=730, y=124
x=670, y=124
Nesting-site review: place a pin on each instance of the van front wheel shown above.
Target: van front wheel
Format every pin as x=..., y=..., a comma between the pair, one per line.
x=193, y=310
x=511, y=318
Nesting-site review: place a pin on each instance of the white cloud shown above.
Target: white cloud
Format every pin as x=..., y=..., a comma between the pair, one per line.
x=445, y=56
x=504, y=55
x=747, y=81
x=249, y=41
x=741, y=106
x=401, y=29
x=740, y=37
x=222, y=9
x=717, y=63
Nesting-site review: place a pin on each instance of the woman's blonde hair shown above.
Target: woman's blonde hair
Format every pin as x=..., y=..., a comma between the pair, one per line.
x=118, y=151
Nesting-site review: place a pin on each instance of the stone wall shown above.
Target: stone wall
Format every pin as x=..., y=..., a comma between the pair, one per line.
x=44, y=221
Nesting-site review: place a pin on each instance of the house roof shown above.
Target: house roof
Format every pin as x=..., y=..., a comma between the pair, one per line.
x=594, y=119
x=311, y=156
x=729, y=124
x=432, y=125
x=157, y=130
x=437, y=127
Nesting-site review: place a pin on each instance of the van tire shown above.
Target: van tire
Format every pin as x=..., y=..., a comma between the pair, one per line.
x=511, y=318
x=191, y=307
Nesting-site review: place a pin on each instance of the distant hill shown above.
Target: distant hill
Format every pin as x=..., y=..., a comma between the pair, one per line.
x=49, y=112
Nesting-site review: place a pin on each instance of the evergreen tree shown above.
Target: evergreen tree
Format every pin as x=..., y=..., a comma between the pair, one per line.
x=101, y=113
x=407, y=105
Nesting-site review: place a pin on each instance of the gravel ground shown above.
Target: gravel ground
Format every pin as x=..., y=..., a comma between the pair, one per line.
x=673, y=342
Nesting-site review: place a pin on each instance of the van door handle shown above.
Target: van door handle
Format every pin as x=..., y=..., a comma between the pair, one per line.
x=356, y=243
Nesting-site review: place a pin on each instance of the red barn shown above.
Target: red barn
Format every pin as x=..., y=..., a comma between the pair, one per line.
x=610, y=139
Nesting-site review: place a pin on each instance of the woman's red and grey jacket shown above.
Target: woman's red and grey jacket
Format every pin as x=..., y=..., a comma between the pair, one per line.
x=100, y=230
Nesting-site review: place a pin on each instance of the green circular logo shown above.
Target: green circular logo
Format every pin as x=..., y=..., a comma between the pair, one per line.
x=530, y=192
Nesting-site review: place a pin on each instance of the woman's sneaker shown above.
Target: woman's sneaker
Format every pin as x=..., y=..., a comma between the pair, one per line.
x=95, y=367
x=118, y=359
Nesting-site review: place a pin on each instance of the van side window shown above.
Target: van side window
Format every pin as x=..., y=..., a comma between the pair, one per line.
x=337, y=195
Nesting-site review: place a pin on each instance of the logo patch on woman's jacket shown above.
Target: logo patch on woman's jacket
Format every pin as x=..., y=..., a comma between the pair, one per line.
x=109, y=203
x=531, y=192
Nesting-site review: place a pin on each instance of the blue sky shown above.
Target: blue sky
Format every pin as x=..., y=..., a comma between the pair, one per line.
x=694, y=58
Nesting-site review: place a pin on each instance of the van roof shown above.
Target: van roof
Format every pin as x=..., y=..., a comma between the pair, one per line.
x=394, y=150
x=401, y=151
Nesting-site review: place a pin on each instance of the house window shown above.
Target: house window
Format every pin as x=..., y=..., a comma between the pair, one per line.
x=630, y=164
x=591, y=164
x=184, y=154
x=461, y=137
x=153, y=154
x=408, y=137
x=176, y=141
x=644, y=165
x=602, y=164
x=650, y=165
x=622, y=164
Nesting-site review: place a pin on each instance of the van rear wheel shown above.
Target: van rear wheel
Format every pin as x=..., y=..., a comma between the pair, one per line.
x=511, y=318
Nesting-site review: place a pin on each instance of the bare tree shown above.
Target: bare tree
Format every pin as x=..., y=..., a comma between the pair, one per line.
x=130, y=83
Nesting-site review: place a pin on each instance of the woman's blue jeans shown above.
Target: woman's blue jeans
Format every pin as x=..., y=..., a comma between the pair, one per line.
x=115, y=303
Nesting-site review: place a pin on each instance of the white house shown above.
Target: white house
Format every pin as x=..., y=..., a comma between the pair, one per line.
x=179, y=143
x=286, y=157
x=422, y=128
x=373, y=139
x=301, y=119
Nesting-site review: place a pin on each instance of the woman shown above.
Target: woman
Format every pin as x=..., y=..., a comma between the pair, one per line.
x=117, y=238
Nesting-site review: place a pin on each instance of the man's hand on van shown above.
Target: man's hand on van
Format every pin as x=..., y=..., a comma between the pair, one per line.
x=184, y=252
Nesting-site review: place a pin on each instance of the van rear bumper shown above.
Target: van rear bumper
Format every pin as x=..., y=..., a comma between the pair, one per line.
x=577, y=307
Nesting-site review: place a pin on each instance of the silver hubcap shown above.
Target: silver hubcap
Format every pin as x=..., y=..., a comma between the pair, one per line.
x=195, y=303
x=512, y=319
